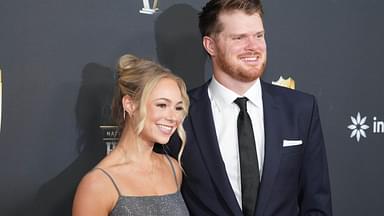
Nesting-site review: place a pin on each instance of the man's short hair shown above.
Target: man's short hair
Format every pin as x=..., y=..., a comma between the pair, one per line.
x=208, y=17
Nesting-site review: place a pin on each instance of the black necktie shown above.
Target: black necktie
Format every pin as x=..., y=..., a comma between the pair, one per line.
x=249, y=167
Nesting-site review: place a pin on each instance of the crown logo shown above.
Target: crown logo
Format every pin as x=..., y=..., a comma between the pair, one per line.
x=288, y=83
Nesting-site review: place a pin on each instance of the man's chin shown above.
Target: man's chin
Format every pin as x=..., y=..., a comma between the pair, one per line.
x=248, y=79
x=249, y=76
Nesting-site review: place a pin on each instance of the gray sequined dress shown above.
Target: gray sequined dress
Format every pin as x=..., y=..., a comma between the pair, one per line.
x=157, y=205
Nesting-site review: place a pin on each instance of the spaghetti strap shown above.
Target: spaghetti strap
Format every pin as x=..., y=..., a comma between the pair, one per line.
x=110, y=177
x=173, y=170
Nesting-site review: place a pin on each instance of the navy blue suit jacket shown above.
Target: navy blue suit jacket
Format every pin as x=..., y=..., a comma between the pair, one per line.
x=295, y=179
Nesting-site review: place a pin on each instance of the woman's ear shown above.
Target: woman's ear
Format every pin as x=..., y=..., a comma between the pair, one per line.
x=209, y=45
x=128, y=104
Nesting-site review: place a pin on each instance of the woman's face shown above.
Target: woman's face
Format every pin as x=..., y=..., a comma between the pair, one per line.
x=164, y=112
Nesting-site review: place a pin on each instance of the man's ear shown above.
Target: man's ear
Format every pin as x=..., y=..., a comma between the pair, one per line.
x=209, y=45
x=128, y=104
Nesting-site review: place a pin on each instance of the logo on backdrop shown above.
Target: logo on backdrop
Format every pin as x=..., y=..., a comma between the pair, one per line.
x=288, y=83
x=362, y=128
x=1, y=95
x=358, y=127
x=111, y=136
x=147, y=9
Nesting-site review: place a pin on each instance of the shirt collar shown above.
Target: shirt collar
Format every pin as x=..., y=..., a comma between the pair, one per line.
x=223, y=97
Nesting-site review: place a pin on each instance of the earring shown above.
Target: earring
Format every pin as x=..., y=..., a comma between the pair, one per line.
x=126, y=112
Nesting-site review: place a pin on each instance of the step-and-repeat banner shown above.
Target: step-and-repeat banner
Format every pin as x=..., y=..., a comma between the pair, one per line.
x=57, y=61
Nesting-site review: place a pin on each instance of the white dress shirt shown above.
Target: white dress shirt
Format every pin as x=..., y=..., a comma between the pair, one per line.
x=225, y=113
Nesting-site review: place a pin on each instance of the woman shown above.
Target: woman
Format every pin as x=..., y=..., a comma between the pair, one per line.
x=150, y=105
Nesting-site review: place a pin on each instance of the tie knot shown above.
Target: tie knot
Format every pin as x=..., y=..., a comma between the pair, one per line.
x=242, y=103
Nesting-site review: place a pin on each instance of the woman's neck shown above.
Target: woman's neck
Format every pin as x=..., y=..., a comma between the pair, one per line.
x=133, y=148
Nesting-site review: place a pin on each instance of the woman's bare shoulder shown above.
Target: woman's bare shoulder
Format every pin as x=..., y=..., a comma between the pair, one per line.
x=94, y=194
x=176, y=167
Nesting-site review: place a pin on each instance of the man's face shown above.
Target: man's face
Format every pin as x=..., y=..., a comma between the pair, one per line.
x=239, y=51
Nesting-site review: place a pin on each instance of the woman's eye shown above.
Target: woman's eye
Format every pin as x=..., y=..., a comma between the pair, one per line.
x=179, y=108
x=161, y=105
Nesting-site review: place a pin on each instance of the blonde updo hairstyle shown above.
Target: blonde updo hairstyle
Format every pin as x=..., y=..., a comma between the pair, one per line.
x=137, y=78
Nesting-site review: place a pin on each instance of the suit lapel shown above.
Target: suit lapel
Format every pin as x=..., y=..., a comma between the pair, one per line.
x=205, y=133
x=273, y=148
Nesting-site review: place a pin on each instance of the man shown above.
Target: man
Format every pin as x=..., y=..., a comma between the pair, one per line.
x=289, y=174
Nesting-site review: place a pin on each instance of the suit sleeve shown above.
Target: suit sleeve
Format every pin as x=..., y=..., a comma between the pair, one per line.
x=315, y=196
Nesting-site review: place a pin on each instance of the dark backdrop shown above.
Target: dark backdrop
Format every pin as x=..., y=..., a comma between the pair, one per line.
x=58, y=60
